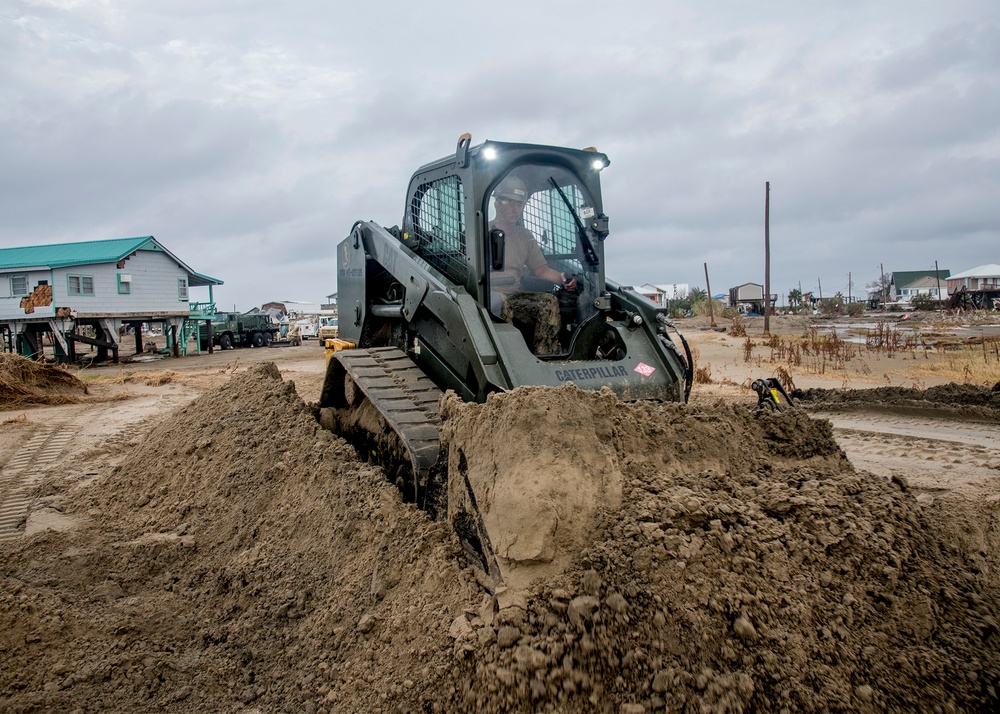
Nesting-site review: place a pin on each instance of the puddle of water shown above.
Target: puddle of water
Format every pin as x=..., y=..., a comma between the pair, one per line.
x=857, y=332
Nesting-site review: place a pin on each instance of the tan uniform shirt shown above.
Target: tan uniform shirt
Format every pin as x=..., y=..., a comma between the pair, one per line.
x=520, y=249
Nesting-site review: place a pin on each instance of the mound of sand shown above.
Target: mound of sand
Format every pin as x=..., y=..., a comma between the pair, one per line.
x=24, y=381
x=969, y=401
x=748, y=566
x=239, y=558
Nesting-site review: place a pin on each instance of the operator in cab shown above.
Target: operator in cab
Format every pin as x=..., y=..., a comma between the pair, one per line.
x=536, y=314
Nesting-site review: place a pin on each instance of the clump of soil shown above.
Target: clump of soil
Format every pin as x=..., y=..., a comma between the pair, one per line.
x=149, y=379
x=747, y=566
x=240, y=558
x=948, y=400
x=24, y=381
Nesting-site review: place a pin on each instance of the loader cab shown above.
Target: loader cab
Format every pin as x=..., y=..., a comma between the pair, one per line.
x=544, y=257
x=461, y=220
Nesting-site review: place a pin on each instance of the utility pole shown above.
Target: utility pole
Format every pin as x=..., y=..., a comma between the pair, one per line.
x=820, y=283
x=938, y=274
x=848, y=288
x=882, y=286
x=767, y=258
x=708, y=286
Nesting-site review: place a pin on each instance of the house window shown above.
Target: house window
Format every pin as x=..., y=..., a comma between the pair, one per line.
x=124, y=284
x=182, y=289
x=18, y=285
x=80, y=284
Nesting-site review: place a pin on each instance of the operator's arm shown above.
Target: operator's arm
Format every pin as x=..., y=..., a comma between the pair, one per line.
x=539, y=267
x=554, y=276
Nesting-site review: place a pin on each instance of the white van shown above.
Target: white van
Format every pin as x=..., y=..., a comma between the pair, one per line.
x=307, y=328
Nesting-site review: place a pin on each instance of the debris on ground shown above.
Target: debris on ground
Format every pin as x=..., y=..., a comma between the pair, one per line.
x=24, y=381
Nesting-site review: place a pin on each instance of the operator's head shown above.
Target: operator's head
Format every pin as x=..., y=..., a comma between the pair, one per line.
x=511, y=190
x=510, y=196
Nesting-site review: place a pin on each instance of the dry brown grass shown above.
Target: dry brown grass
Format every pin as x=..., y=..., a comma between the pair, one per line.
x=785, y=377
x=968, y=364
x=970, y=361
x=23, y=381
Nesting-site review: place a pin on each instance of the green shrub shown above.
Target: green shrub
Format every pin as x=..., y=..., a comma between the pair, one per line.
x=924, y=301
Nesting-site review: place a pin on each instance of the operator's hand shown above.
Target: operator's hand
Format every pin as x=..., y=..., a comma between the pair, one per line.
x=568, y=284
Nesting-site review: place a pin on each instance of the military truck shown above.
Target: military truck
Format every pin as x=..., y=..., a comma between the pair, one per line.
x=234, y=329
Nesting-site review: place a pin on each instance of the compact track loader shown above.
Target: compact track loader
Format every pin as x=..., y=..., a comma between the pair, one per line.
x=495, y=280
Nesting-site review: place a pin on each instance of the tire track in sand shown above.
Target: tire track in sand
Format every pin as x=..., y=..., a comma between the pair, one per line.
x=22, y=471
x=934, y=455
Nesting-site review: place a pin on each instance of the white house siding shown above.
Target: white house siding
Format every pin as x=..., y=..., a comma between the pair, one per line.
x=153, y=288
x=10, y=305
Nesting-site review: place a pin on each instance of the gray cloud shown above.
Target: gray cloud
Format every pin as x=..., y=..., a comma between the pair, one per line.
x=249, y=136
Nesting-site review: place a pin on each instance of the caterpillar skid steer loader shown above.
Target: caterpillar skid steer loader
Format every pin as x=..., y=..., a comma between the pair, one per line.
x=494, y=280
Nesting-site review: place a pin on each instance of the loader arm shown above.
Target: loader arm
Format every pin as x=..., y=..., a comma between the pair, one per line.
x=390, y=296
x=657, y=322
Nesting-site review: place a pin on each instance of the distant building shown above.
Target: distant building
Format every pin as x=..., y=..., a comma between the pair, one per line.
x=977, y=289
x=663, y=294
x=748, y=298
x=982, y=277
x=904, y=285
x=92, y=292
x=295, y=308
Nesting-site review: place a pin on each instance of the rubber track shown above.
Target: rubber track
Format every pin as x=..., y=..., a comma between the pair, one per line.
x=406, y=398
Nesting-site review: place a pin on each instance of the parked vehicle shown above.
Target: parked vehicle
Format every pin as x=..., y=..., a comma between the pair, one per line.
x=307, y=327
x=234, y=329
x=327, y=329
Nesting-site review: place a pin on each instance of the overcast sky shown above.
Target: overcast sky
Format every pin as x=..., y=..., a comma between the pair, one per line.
x=248, y=135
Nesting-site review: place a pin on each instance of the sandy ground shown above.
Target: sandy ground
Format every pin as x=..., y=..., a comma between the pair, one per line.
x=188, y=539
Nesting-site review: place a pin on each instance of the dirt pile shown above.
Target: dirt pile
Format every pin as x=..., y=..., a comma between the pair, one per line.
x=946, y=400
x=24, y=381
x=239, y=558
x=150, y=379
x=748, y=567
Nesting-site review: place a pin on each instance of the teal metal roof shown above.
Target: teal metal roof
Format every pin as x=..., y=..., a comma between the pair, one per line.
x=60, y=255
x=198, y=280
